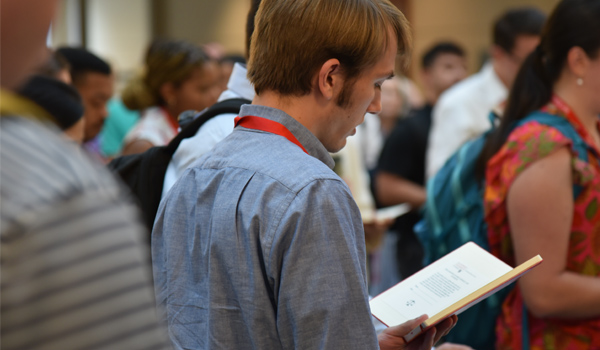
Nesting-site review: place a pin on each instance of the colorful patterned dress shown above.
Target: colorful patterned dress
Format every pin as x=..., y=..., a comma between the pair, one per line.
x=526, y=144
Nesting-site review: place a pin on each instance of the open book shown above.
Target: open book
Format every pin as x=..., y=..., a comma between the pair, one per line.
x=446, y=287
x=386, y=213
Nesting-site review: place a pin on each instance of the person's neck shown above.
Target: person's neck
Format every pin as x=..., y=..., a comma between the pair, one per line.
x=502, y=76
x=431, y=96
x=570, y=94
x=302, y=108
x=171, y=112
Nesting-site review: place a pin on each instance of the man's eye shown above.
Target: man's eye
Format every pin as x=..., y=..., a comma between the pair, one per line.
x=378, y=86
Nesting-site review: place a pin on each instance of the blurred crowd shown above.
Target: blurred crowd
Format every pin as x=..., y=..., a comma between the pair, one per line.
x=78, y=271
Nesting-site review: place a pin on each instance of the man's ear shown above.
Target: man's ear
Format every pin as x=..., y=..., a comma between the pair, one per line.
x=330, y=79
x=496, y=52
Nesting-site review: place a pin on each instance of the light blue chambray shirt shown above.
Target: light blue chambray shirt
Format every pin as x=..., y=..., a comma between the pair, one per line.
x=261, y=246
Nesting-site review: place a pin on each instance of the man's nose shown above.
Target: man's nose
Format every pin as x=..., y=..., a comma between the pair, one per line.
x=375, y=106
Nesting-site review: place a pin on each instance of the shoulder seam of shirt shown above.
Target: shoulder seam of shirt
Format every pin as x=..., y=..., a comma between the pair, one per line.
x=284, y=210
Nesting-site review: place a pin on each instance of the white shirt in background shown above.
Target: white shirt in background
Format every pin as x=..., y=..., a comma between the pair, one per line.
x=212, y=132
x=154, y=127
x=461, y=114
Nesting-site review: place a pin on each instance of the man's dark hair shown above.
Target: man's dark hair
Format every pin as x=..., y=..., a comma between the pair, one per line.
x=438, y=49
x=82, y=61
x=520, y=21
x=60, y=100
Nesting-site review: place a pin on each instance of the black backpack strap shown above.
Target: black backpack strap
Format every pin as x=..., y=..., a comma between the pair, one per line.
x=144, y=173
x=230, y=106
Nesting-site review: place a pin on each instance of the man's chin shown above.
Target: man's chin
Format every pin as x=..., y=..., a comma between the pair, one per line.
x=337, y=147
x=92, y=134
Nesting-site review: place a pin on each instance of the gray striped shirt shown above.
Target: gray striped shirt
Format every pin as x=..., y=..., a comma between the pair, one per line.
x=73, y=265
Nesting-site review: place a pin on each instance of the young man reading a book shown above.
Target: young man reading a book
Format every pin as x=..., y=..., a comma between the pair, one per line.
x=259, y=245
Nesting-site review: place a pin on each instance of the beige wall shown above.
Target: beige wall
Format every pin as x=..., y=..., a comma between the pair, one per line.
x=116, y=30
x=467, y=22
x=121, y=29
x=204, y=21
x=66, y=27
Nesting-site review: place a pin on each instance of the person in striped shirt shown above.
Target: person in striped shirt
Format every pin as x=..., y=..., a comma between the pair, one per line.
x=74, y=269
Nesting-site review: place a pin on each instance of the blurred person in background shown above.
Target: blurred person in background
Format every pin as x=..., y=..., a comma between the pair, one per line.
x=400, y=174
x=118, y=123
x=543, y=188
x=356, y=162
x=60, y=100
x=178, y=76
x=218, y=127
x=93, y=79
x=56, y=66
x=226, y=64
x=395, y=104
x=74, y=270
x=462, y=112
x=397, y=97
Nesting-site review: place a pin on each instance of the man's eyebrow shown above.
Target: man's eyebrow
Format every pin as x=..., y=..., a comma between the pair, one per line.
x=390, y=76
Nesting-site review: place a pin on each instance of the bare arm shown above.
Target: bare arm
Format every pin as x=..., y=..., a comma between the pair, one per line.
x=137, y=146
x=540, y=211
x=392, y=189
x=375, y=232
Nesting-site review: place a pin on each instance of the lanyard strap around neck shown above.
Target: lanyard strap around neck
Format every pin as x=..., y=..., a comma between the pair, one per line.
x=173, y=122
x=564, y=108
x=263, y=124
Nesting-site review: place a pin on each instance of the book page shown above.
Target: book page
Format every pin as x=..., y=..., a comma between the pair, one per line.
x=438, y=285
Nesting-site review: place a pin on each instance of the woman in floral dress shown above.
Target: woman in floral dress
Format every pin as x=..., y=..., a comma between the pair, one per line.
x=541, y=197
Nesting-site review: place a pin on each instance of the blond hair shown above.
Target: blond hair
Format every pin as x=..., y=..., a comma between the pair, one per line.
x=293, y=38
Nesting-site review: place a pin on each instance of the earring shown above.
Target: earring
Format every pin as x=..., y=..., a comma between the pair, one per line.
x=580, y=81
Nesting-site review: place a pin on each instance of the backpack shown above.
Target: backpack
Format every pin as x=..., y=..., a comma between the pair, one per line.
x=144, y=173
x=454, y=214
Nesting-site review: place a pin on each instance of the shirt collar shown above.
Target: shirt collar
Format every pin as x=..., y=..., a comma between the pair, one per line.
x=493, y=79
x=238, y=85
x=16, y=105
x=310, y=142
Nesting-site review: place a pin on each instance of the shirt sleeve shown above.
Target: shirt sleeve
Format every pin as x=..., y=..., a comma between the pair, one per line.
x=526, y=144
x=318, y=265
x=450, y=128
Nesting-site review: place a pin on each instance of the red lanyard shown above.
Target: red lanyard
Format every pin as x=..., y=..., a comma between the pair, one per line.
x=572, y=118
x=563, y=107
x=172, y=121
x=263, y=124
